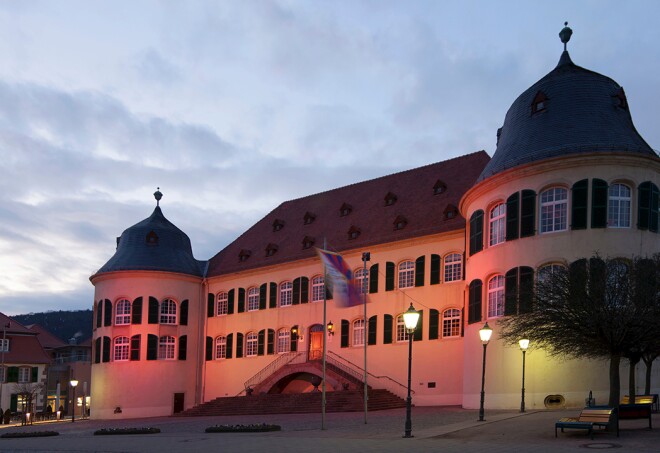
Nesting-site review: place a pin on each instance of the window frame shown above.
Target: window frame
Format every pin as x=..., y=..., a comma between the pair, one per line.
x=4, y=344
x=451, y=323
x=358, y=332
x=361, y=277
x=285, y=296
x=24, y=375
x=495, y=296
x=3, y=374
x=455, y=268
x=618, y=200
x=406, y=275
x=167, y=312
x=123, y=312
x=402, y=334
x=220, y=347
x=222, y=303
x=253, y=299
x=121, y=351
x=283, y=344
x=166, y=347
x=497, y=224
x=251, y=344
x=318, y=288
x=549, y=208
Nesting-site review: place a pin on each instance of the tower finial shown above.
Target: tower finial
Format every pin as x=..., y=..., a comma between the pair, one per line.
x=158, y=196
x=565, y=34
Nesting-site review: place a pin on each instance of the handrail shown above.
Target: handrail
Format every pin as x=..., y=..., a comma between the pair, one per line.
x=358, y=372
x=272, y=367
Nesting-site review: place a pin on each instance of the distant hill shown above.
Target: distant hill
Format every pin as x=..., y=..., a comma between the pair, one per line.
x=62, y=324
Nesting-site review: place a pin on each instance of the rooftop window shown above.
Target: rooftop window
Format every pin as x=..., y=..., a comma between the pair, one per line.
x=353, y=232
x=400, y=222
x=152, y=238
x=345, y=209
x=390, y=199
x=439, y=187
x=307, y=242
x=308, y=218
x=278, y=225
x=244, y=255
x=271, y=249
x=540, y=102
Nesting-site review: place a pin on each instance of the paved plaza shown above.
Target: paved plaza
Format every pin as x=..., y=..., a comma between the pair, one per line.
x=435, y=429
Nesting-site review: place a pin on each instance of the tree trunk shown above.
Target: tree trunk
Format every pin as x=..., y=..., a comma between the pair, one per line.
x=649, y=367
x=631, y=379
x=615, y=381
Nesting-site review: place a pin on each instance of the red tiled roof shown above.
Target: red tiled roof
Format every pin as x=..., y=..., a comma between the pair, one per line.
x=412, y=192
x=24, y=347
x=46, y=338
x=12, y=326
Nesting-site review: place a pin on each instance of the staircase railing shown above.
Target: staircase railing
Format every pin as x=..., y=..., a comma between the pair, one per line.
x=283, y=359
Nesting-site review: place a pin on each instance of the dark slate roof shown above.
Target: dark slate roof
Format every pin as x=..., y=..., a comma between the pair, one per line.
x=416, y=205
x=169, y=250
x=582, y=115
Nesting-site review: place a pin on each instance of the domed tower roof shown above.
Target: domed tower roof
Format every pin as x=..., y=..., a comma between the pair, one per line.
x=571, y=110
x=154, y=244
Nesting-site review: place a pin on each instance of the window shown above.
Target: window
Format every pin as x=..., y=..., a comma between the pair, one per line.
x=308, y=242
x=618, y=206
x=353, y=232
x=554, y=209
x=123, y=312
x=251, y=344
x=497, y=223
x=358, y=332
x=4, y=345
x=121, y=348
x=453, y=267
x=451, y=323
x=24, y=374
x=362, y=280
x=244, y=255
x=253, y=299
x=286, y=290
x=406, y=274
x=547, y=271
x=221, y=348
x=496, y=296
x=271, y=249
x=401, y=332
x=283, y=341
x=166, y=348
x=168, y=312
x=3, y=374
x=223, y=303
x=345, y=209
x=318, y=288
x=278, y=225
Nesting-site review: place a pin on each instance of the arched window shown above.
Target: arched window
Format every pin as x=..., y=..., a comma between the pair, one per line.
x=362, y=280
x=358, y=332
x=166, y=348
x=220, y=347
x=406, y=274
x=168, y=312
x=251, y=344
x=401, y=332
x=451, y=323
x=618, y=206
x=286, y=290
x=121, y=348
x=547, y=271
x=283, y=341
x=223, y=303
x=253, y=299
x=496, y=296
x=318, y=288
x=554, y=210
x=497, y=223
x=453, y=267
x=123, y=312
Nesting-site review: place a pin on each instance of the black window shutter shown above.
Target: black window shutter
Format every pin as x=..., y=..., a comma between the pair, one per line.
x=209, y=348
x=418, y=335
x=344, y=333
x=304, y=290
x=183, y=313
x=387, y=329
x=135, y=347
x=262, y=296
x=527, y=213
x=434, y=324
x=153, y=310
x=373, y=327
x=273, y=295
x=474, y=302
x=511, y=292
x=136, y=311
x=512, y=209
x=107, y=312
x=526, y=289
x=152, y=347
x=99, y=314
x=183, y=346
x=598, y=203
x=35, y=374
x=373, y=279
x=106, y=349
x=241, y=300
x=389, y=276
x=12, y=372
x=435, y=269
x=210, y=305
x=419, y=270
x=97, y=350
x=261, y=340
x=476, y=232
x=294, y=340
x=328, y=290
x=643, y=205
x=296, y=292
x=230, y=346
x=655, y=200
x=270, y=347
x=230, y=301
x=239, y=345
x=579, y=207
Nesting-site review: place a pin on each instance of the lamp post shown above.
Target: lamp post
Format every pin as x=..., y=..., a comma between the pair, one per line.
x=74, y=383
x=410, y=319
x=484, y=333
x=524, y=344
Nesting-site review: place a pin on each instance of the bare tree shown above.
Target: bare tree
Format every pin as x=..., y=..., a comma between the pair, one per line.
x=28, y=392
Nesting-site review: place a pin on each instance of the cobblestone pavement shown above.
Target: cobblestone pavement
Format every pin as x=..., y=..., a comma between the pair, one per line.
x=435, y=429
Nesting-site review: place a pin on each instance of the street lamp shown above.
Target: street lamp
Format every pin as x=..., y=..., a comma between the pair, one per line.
x=73, y=383
x=410, y=318
x=484, y=333
x=524, y=344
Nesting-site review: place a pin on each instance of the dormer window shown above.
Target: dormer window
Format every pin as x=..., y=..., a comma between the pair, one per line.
x=309, y=218
x=353, y=232
x=621, y=100
x=308, y=242
x=390, y=199
x=450, y=212
x=271, y=249
x=439, y=187
x=278, y=225
x=345, y=209
x=539, y=103
x=244, y=255
x=152, y=238
x=400, y=222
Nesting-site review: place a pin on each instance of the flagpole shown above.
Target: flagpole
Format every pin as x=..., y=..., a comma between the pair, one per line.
x=366, y=256
x=325, y=335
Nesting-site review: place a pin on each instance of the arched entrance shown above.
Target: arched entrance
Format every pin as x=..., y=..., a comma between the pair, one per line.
x=303, y=382
x=315, y=342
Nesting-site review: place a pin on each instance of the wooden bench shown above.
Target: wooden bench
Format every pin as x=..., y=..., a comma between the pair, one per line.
x=636, y=411
x=644, y=399
x=589, y=418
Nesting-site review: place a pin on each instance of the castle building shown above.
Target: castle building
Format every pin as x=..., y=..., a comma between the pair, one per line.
x=458, y=239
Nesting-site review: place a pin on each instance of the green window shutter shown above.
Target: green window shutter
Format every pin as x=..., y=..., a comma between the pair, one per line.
x=419, y=270
x=107, y=312
x=512, y=222
x=241, y=300
x=579, y=207
x=474, y=302
x=261, y=340
x=13, y=402
x=387, y=329
x=304, y=290
x=263, y=289
x=270, y=348
x=99, y=313
x=273, y=295
x=655, y=200
x=476, y=232
x=183, y=313
x=136, y=311
x=135, y=347
x=373, y=327
x=152, y=347
x=209, y=349
x=97, y=350
x=294, y=340
x=418, y=335
x=598, y=203
x=35, y=374
x=296, y=292
x=526, y=290
x=389, y=276
x=183, y=347
x=643, y=205
x=239, y=345
x=12, y=372
x=230, y=345
x=210, y=305
x=511, y=292
x=527, y=213
x=230, y=301
x=344, y=333
x=434, y=324
x=106, y=349
x=373, y=279
x=435, y=269
x=153, y=310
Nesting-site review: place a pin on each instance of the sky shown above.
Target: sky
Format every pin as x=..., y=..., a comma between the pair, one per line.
x=233, y=107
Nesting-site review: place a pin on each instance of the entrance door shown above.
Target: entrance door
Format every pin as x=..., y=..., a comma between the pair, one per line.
x=178, y=402
x=315, y=345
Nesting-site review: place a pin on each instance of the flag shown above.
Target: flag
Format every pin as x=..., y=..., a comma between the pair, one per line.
x=340, y=277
